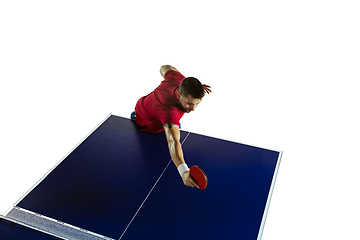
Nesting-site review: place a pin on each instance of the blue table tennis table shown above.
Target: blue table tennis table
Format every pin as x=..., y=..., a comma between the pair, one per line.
x=120, y=183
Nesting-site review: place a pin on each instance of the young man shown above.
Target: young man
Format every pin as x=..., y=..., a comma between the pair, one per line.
x=163, y=108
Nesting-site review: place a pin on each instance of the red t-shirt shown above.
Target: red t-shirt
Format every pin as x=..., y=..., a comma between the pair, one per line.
x=161, y=106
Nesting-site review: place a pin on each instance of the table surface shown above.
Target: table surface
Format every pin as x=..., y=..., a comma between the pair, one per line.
x=120, y=183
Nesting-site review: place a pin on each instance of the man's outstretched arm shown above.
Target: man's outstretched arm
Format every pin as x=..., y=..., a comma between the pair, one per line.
x=172, y=132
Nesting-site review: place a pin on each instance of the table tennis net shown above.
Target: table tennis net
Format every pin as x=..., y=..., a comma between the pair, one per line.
x=51, y=226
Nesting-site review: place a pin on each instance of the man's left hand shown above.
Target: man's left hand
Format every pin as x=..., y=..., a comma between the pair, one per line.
x=189, y=180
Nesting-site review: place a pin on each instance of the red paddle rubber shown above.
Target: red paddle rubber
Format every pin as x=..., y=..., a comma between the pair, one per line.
x=199, y=176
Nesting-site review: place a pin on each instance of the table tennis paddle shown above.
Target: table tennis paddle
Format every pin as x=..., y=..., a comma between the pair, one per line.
x=199, y=176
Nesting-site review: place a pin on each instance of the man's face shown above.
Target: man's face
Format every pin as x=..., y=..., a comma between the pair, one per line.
x=188, y=103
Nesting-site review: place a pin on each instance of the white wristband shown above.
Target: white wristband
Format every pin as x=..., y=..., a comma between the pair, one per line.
x=182, y=168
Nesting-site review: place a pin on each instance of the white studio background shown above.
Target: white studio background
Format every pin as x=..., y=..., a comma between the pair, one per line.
x=284, y=75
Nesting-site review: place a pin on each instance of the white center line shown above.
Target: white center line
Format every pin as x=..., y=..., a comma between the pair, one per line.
x=150, y=192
